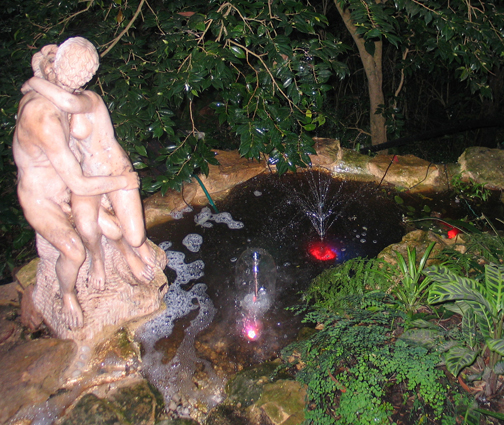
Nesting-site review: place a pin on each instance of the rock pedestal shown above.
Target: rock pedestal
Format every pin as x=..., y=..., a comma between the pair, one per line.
x=123, y=298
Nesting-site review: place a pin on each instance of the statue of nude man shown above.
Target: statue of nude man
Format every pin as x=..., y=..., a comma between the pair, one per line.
x=91, y=129
x=47, y=172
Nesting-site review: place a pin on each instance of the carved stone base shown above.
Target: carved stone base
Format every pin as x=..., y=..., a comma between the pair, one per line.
x=123, y=299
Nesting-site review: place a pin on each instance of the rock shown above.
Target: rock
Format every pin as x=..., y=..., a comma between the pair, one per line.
x=139, y=404
x=32, y=372
x=483, y=166
x=178, y=421
x=283, y=402
x=418, y=240
x=341, y=162
x=27, y=275
x=26, y=278
x=246, y=387
x=409, y=172
x=92, y=410
x=231, y=415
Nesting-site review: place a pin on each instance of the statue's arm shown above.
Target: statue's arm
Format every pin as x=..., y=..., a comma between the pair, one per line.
x=53, y=141
x=78, y=103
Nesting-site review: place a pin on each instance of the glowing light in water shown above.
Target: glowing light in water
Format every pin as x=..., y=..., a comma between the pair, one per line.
x=453, y=233
x=322, y=251
x=252, y=329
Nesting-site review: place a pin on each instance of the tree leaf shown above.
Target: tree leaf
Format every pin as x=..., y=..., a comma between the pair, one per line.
x=237, y=51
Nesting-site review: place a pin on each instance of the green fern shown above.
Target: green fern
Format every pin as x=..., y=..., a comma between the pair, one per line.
x=331, y=288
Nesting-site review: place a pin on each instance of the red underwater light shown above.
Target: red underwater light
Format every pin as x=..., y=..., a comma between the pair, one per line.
x=322, y=251
x=252, y=329
x=453, y=233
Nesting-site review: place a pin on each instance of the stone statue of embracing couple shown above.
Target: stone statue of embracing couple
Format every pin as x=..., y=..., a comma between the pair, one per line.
x=79, y=192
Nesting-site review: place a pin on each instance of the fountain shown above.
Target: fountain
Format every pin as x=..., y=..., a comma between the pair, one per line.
x=255, y=279
x=319, y=202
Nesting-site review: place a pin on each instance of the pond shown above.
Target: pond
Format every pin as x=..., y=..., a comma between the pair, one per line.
x=305, y=222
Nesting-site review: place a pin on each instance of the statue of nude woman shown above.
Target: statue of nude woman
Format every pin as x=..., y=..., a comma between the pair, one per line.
x=75, y=63
x=47, y=172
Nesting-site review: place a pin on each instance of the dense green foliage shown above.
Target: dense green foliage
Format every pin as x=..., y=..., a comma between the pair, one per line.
x=480, y=303
x=183, y=78
x=330, y=289
x=375, y=355
x=352, y=366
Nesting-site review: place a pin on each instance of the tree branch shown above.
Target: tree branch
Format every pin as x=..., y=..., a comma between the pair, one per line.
x=124, y=31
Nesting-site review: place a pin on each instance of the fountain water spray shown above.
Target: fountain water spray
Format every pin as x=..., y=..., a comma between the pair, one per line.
x=255, y=279
x=319, y=203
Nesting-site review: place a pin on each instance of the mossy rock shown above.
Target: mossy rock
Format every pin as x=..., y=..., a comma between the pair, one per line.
x=418, y=240
x=135, y=405
x=283, y=402
x=483, y=166
x=178, y=421
x=246, y=386
x=228, y=415
x=91, y=410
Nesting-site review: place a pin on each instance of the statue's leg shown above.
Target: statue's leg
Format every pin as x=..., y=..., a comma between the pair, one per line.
x=142, y=272
x=85, y=211
x=53, y=225
x=128, y=209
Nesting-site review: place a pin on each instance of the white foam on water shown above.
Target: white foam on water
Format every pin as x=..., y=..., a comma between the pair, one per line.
x=193, y=242
x=205, y=217
x=177, y=215
x=174, y=380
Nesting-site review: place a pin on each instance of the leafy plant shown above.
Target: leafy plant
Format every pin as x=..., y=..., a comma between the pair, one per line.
x=411, y=290
x=469, y=189
x=330, y=289
x=481, y=304
x=353, y=364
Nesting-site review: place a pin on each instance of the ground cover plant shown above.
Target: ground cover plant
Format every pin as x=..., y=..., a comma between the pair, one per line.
x=377, y=357
x=182, y=79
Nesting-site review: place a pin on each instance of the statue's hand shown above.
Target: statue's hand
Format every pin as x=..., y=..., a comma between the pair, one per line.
x=133, y=181
x=26, y=87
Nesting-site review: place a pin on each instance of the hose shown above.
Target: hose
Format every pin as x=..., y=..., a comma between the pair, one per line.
x=206, y=193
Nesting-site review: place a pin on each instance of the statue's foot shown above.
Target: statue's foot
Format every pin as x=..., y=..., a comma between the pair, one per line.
x=147, y=254
x=72, y=312
x=96, y=276
x=142, y=272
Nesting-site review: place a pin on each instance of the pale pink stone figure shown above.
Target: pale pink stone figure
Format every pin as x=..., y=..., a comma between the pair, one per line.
x=91, y=129
x=47, y=172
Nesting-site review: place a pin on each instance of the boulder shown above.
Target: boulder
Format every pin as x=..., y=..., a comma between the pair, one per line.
x=409, y=172
x=483, y=166
x=32, y=372
x=282, y=402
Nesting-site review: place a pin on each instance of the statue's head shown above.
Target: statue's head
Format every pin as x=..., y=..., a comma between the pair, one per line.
x=43, y=62
x=76, y=62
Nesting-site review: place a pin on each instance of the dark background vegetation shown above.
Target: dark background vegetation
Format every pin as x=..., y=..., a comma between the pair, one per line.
x=182, y=78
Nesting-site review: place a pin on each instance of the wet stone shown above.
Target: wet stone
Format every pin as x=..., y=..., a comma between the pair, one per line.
x=91, y=410
x=229, y=415
x=31, y=372
x=246, y=387
x=139, y=404
x=178, y=421
x=283, y=402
